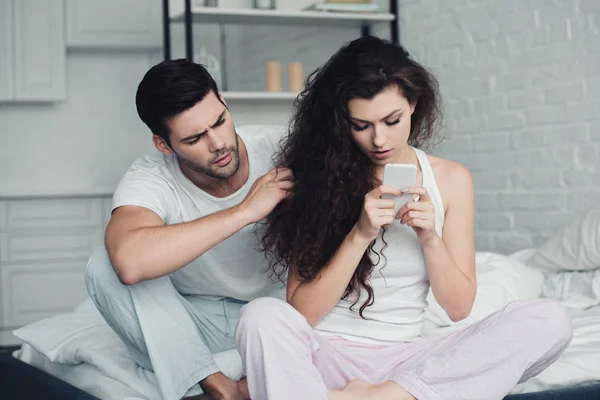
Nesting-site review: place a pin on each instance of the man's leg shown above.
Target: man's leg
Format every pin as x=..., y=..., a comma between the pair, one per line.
x=155, y=323
x=216, y=321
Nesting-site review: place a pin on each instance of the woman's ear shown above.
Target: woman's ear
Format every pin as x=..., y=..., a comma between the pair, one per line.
x=413, y=105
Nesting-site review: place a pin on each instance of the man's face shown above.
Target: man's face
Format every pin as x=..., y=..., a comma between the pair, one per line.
x=204, y=139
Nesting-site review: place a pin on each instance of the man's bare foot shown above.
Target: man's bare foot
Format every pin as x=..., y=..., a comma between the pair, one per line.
x=220, y=387
x=198, y=397
x=243, y=385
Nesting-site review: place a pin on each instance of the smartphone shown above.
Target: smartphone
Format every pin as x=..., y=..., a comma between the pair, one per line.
x=399, y=176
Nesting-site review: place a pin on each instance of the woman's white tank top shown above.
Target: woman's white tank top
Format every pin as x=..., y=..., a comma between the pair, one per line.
x=399, y=282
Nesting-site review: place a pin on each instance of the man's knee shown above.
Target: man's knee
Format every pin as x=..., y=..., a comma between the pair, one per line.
x=99, y=273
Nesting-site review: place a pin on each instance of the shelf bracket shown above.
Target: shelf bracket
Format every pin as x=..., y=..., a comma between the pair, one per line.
x=166, y=31
x=189, y=40
x=365, y=29
x=395, y=23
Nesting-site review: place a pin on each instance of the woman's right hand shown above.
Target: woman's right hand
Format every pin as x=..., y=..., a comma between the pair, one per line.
x=376, y=212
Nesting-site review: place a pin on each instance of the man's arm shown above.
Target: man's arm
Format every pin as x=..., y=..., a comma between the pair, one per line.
x=141, y=247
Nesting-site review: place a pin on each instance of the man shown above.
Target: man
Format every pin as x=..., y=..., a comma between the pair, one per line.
x=181, y=253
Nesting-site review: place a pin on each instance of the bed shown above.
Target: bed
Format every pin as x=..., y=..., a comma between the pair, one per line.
x=80, y=349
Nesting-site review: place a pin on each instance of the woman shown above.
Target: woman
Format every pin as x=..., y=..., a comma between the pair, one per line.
x=358, y=275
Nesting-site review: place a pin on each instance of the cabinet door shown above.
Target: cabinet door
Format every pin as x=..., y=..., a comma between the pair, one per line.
x=37, y=290
x=114, y=23
x=39, y=50
x=6, y=50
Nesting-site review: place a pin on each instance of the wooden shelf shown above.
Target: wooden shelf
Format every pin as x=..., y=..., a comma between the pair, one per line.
x=215, y=15
x=259, y=95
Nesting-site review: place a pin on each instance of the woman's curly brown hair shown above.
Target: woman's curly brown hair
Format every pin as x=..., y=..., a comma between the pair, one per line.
x=331, y=174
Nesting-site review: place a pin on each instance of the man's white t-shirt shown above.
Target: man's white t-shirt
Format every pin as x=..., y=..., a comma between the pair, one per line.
x=234, y=268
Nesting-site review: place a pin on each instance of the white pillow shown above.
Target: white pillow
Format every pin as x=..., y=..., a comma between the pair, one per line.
x=82, y=336
x=50, y=336
x=575, y=248
x=500, y=280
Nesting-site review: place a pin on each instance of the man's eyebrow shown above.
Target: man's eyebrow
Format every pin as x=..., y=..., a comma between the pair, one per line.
x=195, y=135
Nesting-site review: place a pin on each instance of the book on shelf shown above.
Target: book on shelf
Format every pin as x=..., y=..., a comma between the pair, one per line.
x=362, y=7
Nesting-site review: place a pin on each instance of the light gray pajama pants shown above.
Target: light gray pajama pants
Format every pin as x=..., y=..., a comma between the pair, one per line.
x=173, y=335
x=286, y=359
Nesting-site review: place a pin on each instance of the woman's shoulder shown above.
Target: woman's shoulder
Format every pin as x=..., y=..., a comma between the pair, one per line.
x=448, y=169
x=452, y=178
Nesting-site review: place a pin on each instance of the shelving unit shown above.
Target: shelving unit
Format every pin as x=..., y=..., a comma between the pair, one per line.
x=287, y=18
x=222, y=16
x=259, y=95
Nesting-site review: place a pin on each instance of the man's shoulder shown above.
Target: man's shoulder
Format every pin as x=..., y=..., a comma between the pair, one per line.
x=152, y=163
x=151, y=167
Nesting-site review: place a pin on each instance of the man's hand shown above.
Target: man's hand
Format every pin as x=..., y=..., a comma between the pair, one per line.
x=268, y=191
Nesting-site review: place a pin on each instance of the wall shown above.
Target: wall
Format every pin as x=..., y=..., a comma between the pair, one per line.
x=521, y=82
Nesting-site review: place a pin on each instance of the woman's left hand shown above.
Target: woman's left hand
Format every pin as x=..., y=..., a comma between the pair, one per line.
x=419, y=215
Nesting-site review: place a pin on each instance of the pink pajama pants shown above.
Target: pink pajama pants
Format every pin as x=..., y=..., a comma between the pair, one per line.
x=286, y=359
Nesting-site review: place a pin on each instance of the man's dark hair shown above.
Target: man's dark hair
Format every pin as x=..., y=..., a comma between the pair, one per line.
x=170, y=88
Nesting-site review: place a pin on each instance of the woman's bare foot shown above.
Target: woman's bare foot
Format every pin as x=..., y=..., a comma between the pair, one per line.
x=361, y=390
x=354, y=390
x=357, y=387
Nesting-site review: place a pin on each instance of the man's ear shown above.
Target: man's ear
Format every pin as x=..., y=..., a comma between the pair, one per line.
x=162, y=145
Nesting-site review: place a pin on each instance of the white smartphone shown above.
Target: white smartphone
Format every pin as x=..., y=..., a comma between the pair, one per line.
x=399, y=176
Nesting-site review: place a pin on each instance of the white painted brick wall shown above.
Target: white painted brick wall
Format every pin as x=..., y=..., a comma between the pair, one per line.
x=521, y=84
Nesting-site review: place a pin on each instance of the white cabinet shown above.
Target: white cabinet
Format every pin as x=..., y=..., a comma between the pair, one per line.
x=38, y=290
x=39, y=52
x=44, y=247
x=32, y=50
x=114, y=23
x=6, y=50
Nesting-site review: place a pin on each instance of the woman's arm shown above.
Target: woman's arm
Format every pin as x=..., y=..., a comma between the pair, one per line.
x=315, y=299
x=450, y=262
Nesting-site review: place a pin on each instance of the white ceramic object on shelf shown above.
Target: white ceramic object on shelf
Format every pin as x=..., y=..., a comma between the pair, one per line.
x=264, y=4
x=222, y=3
x=211, y=63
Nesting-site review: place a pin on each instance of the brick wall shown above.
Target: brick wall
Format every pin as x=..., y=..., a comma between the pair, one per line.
x=521, y=84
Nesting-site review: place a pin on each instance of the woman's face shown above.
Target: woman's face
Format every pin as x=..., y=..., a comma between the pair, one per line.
x=381, y=125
